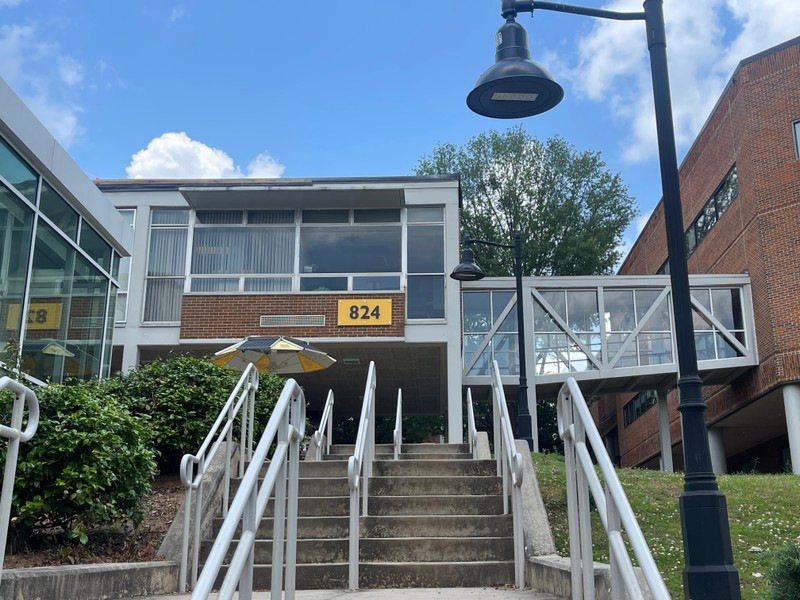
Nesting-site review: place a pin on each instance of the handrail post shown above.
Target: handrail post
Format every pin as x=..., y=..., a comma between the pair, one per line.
x=279, y=511
x=198, y=515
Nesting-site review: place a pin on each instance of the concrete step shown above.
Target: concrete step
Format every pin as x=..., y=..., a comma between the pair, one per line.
x=393, y=575
x=318, y=506
x=422, y=486
x=417, y=467
x=390, y=550
x=314, y=487
x=388, y=449
x=434, y=505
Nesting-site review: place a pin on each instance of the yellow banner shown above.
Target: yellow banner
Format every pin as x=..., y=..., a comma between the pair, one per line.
x=41, y=315
x=365, y=311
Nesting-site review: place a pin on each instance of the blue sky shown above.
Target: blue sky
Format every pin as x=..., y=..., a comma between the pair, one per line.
x=319, y=89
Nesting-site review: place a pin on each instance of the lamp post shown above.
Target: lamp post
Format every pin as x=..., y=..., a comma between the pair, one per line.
x=516, y=87
x=468, y=270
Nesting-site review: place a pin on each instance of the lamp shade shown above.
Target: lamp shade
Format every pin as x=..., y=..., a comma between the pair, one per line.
x=467, y=270
x=515, y=86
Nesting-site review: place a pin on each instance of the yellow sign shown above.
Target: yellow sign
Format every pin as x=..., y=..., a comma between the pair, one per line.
x=41, y=315
x=365, y=311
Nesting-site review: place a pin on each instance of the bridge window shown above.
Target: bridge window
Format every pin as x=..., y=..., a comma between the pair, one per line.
x=640, y=404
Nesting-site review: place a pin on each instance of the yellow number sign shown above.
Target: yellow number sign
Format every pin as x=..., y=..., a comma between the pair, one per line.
x=41, y=315
x=369, y=311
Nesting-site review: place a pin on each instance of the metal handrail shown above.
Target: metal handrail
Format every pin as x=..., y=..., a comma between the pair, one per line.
x=509, y=466
x=194, y=466
x=23, y=396
x=576, y=426
x=472, y=430
x=325, y=431
x=285, y=429
x=397, y=435
x=359, y=470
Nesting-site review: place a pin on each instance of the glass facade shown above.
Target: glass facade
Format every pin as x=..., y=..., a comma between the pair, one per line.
x=288, y=251
x=55, y=275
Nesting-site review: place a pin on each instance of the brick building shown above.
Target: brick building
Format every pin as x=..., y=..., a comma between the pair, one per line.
x=740, y=189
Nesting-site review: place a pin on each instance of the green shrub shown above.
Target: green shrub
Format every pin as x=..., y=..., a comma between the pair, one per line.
x=181, y=397
x=784, y=577
x=89, y=464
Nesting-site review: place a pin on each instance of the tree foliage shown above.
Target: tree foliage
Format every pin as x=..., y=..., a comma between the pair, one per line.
x=570, y=210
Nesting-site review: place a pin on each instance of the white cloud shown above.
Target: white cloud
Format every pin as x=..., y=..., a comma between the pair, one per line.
x=4, y=3
x=44, y=77
x=613, y=63
x=177, y=156
x=177, y=13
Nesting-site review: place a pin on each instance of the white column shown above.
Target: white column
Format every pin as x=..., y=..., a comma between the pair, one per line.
x=130, y=357
x=663, y=433
x=455, y=411
x=791, y=404
x=716, y=444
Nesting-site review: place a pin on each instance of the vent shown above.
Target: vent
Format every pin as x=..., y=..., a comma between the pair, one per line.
x=292, y=321
x=351, y=361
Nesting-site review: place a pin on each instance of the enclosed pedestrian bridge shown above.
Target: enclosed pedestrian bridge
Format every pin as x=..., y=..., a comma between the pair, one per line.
x=612, y=334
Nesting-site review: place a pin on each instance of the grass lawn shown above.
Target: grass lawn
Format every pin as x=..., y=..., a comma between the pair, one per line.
x=763, y=511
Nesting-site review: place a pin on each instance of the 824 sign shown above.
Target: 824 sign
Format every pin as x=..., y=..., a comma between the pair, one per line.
x=361, y=311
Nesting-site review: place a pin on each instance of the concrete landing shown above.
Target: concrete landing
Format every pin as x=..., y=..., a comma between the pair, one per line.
x=392, y=594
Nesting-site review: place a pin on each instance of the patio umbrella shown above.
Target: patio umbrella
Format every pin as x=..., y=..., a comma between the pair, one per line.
x=278, y=354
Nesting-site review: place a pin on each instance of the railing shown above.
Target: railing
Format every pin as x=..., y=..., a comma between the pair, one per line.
x=397, y=435
x=15, y=435
x=324, y=435
x=359, y=470
x=285, y=429
x=509, y=466
x=472, y=430
x=575, y=426
x=194, y=466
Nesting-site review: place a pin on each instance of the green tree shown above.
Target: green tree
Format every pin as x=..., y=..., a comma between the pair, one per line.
x=569, y=209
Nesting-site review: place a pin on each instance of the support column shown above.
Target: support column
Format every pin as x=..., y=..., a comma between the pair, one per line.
x=455, y=411
x=791, y=404
x=716, y=444
x=663, y=433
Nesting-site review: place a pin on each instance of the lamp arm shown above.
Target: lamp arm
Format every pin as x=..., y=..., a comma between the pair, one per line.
x=468, y=241
x=511, y=7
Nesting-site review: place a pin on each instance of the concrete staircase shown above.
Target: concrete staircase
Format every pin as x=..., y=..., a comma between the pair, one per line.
x=435, y=520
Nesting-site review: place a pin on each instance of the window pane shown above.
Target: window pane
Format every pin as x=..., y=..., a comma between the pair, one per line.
x=268, y=217
x=477, y=311
x=425, y=297
x=162, y=300
x=376, y=283
x=121, y=308
x=220, y=217
x=215, y=284
x=619, y=310
x=350, y=250
x=16, y=224
x=323, y=284
x=268, y=284
x=425, y=214
x=583, y=312
x=228, y=250
x=167, y=252
x=376, y=215
x=17, y=172
x=326, y=216
x=169, y=216
x=58, y=211
x=95, y=246
x=426, y=249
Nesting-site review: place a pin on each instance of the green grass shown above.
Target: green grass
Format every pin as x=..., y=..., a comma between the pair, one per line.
x=762, y=511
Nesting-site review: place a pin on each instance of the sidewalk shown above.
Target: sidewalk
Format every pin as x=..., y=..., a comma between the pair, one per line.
x=502, y=593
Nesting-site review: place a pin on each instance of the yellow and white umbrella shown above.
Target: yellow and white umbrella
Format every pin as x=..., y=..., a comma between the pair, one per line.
x=277, y=354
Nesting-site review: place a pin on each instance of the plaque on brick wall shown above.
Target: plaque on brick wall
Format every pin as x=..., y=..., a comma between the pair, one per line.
x=365, y=311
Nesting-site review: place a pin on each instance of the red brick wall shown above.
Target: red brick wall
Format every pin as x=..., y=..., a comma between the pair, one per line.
x=759, y=234
x=235, y=316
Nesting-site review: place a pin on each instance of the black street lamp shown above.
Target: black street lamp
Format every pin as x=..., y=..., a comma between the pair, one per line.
x=467, y=270
x=515, y=87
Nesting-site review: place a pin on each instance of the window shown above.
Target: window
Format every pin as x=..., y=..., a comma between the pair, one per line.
x=726, y=307
x=17, y=172
x=425, y=263
x=16, y=227
x=482, y=311
x=95, y=246
x=166, y=265
x=123, y=274
x=796, y=127
x=55, y=208
x=713, y=209
x=638, y=406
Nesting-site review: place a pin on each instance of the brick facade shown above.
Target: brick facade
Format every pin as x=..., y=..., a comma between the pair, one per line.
x=236, y=316
x=759, y=234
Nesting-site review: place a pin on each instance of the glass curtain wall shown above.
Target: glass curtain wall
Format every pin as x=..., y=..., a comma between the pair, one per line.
x=55, y=306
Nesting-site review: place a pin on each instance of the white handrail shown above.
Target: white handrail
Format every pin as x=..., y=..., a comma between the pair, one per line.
x=359, y=470
x=240, y=402
x=509, y=466
x=472, y=430
x=285, y=429
x=576, y=426
x=325, y=431
x=15, y=435
x=397, y=435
